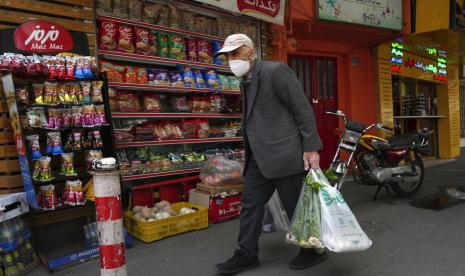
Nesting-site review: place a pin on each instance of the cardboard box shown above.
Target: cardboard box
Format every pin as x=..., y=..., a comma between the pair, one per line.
x=13, y=205
x=219, y=208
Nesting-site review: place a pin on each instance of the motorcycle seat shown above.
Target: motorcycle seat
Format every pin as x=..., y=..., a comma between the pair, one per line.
x=404, y=140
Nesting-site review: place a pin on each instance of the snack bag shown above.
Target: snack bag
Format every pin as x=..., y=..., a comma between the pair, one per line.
x=152, y=103
x=100, y=118
x=71, y=63
x=221, y=59
x=162, y=45
x=107, y=34
x=130, y=76
x=234, y=83
x=199, y=80
x=96, y=95
x=114, y=72
x=34, y=146
x=120, y=8
x=54, y=146
x=159, y=77
x=144, y=41
x=212, y=79
x=204, y=51
x=74, y=93
x=76, y=116
x=36, y=117
x=128, y=102
x=177, y=47
x=93, y=155
x=67, y=164
x=38, y=93
x=191, y=47
x=153, y=42
x=224, y=82
x=88, y=112
x=85, y=88
x=176, y=79
x=126, y=39
x=188, y=76
x=135, y=9
x=141, y=74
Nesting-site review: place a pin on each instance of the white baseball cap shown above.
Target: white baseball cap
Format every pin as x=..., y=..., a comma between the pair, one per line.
x=233, y=42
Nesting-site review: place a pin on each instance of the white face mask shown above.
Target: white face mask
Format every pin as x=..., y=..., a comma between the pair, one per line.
x=239, y=67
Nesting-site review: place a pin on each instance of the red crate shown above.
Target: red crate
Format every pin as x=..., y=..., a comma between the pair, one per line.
x=219, y=209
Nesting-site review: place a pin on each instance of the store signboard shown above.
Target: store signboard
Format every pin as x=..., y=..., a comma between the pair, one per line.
x=385, y=14
x=268, y=10
x=42, y=37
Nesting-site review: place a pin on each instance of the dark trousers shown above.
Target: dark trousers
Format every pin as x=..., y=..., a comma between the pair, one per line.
x=256, y=192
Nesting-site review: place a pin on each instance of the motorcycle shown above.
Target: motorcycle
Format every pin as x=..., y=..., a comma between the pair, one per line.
x=392, y=163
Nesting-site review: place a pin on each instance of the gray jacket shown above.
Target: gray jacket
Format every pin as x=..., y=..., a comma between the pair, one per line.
x=279, y=119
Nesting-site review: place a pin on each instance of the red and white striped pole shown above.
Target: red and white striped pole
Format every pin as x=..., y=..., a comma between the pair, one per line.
x=109, y=223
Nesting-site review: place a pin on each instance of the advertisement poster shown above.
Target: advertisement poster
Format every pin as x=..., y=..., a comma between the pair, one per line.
x=385, y=14
x=268, y=10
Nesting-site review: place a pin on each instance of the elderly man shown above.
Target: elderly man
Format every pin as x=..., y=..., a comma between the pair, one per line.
x=281, y=143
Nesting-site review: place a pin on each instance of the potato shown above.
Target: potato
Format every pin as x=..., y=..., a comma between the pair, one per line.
x=146, y=213
x=165, y=203
x=137, y=209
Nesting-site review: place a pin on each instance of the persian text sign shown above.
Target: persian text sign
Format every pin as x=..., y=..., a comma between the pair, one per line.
x=42, y=37
x=268, y=10
x=374, y=13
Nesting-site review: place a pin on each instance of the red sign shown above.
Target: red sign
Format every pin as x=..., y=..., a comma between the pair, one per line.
x=440, y=78
x=269, y=7
x=43, y=37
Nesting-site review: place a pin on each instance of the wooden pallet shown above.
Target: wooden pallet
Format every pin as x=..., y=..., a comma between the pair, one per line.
x=215, y=190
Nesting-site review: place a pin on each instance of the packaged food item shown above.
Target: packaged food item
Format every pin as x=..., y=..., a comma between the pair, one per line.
x=66, y=117
x=224, y=82
x=177, y=47
x=173, y=130
x=38, y=93
x=50, y=93
x=100, y=118
x=188, y=76
x=135, y=9
x=60, y=67
x=152, y=103
x=70, y=67
x=179, y=104
x=163, y=18
x=200, y=24
x=76, y=116
x=93, y=155
x=36, y=117
x=126, y=39
x=203, y=129
x=107, y=34
x=212, y=26
x=159, y=132
x=34, y=146
x=130, y=76
x=142, y=77
x=85, y=68
x=115, y=73
x=204, y=51
x=191, y=49
x=88, y=115
x=72, y=92
x=159, y=77
x=175, y=19
x=144, y=41
x=87, y=140
x=47, y=198
x=188, y=20
x=85, y=89
x=128, y=102
x=150, y=13
x=189, y=129
x=176, y=79
x=97, y=139
x=54, y=146
x=199, y=80
x=96, y=95
x=212, y=79
x=67, y=164
x=54, y=119
x=221, y=59
x=52, y=68
x=104, y=7
x=234, y=83
x=73, y=194
x=163, y=45
x=120, y=8
x=22, y=95
x=215, y=103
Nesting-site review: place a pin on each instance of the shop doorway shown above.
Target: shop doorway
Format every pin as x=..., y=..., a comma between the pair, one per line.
x=317, y=75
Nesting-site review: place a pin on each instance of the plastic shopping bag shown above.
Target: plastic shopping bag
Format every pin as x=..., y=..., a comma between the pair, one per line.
x=275, y=218
x=340, y=230
x=305, y=225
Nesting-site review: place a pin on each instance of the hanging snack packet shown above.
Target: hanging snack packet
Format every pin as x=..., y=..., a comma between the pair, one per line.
x=76, y=116
x=97, y=139
x=212, y=79
x=43, y=172
x=61, y=67
x=96, y=95
x=162, y=45
x=66, y=118
x=51, y=65
x=74, y=93
x=85, y=88
x=199, y=80
x=77, y=143
x=38, y=91
x=177, y=47
x=22, y=95
x=50, y=92
x=67, y=164
x=88, y=115
x=100, y=118
x=34, y=146
x=54, y=146
x=36, y=117
x=93, y=155
x=70, y=67
x=51, y=119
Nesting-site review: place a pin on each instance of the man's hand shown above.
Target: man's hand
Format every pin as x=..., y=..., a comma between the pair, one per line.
x=311, y=159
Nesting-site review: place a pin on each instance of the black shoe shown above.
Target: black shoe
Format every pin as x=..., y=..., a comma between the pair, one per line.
x=307, y=258
x=239, y=262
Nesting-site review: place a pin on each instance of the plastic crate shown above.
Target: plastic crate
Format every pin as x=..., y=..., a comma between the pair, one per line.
x=159, y=229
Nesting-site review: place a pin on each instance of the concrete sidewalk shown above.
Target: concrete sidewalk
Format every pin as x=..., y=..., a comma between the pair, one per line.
x=406, y=241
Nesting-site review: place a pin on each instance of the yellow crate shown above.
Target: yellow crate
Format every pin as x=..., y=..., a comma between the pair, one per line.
x=159, y=229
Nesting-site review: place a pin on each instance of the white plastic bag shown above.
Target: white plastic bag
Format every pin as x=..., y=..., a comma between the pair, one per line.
x=275, y=218
x=340, y=230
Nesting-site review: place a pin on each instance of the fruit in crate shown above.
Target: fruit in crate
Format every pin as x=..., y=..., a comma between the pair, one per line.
x=161, y=210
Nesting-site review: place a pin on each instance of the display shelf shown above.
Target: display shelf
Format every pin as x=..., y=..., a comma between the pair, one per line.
x=419, y=117
x=118, y=56
x=166, y=88
x=130, y=115
x=178, y=141
x=159, y=174
x=159, y=28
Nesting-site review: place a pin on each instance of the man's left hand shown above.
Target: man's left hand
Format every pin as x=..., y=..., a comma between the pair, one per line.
x=311, y=159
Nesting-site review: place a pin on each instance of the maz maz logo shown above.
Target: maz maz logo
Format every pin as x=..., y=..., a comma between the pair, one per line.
x=39, y=35
x=42, y=37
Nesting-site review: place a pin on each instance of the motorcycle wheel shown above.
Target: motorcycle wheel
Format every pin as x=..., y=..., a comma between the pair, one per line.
x=407, y=189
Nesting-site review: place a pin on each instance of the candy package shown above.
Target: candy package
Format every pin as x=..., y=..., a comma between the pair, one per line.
x=96, y=95
x=212, y=79
x=34, y=146
x=54, y=146
x=176, y=79
x=152, y=103
x=67, y=165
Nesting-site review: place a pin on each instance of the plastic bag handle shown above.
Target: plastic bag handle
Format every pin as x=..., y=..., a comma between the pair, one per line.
x=319, y=176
